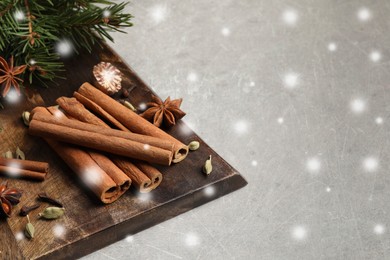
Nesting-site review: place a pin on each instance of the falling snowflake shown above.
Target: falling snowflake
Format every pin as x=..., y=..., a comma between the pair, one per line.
x=379, y=120
x=313, y=165
x=299, y=233
x=129, y=238
x=64, y=48
x=209, y=191
x=332, y=46
x=358, y=105
x=379, y=229
x=375, y=56
x=364, y=14
x=370, y=164
x=59, y=230
x=225, y=31
x=290, y=17
x=158, y=13
x=241, y=127
x=192, y=240
x=192, y=77
x=19, y=16
x=291, y=80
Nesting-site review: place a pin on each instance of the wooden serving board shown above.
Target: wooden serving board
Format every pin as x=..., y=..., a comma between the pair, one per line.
x=88, y=225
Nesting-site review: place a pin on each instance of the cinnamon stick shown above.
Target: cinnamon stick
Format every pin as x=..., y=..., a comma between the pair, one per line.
x=140, y=180
x=83, y=165
x=110, y=144
x=128, y=118
x=73, y=107
x=100, y=111
x=122, y=181
x=35, y=166
x=154, y=175
x=64, y=121
x=22, y=173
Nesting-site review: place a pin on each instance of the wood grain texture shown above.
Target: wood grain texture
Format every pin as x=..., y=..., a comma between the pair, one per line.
x=89, y=225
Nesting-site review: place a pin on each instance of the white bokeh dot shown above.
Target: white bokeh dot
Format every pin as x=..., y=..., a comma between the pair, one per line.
x=313, y=164
x=19, y=236
x=106, y=13
x=280, y=120
x=328, y=189
x=364, y=14
x=158, y=13
x=241, y=127
x=19, y=16
x=129, y=238
x=358, y=105
x=64, y=48
x=254, y=163
x=332, y=46
x=144, y=197
x=142, y=106
x=370, y=164
x=59, y=230
x=379, y=120
x=192, y=240
x=225, y=31
x=375, y=56
x=290, y=17
x=299, y=233
x=13, y=96
x=379, y=229
x=192, y=77
x=291, y=80
x=252, y=84
x=209, y=191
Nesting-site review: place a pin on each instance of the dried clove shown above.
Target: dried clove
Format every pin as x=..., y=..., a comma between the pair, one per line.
x=44, y=197
x=27, y=209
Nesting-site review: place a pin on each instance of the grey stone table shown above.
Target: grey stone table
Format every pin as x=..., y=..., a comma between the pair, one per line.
x=294, y=94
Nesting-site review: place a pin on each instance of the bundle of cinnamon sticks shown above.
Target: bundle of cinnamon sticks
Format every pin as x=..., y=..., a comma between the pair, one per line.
x=107, y=145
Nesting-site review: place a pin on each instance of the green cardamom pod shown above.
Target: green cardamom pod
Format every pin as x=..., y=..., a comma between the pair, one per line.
x=52, y=213
x=208, y=167
x=129, y=106
x=194, y=145
x=29, y=230
x=20, y=154
x=8, y=155
x=26, y=118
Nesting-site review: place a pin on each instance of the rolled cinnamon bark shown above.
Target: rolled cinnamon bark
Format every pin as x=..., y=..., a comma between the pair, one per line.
x=73, y=107
x=110, y=144
x=129, y=119
x=14, y=172
x=106, y=131
x=100, y=111
x=88, y=171
x=154, y=175
x=116, y=174
x=35, y=166
x=82, y=163
x=140, y=180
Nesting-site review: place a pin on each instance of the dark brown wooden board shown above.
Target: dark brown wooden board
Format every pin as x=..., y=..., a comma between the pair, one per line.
x=89, y=225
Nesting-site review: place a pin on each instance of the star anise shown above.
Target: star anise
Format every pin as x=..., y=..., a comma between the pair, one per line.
x=166, y=112
x=8, y=197
x=8, y=75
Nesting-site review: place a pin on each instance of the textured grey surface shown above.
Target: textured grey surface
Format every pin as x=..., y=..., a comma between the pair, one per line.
x=304, y=120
